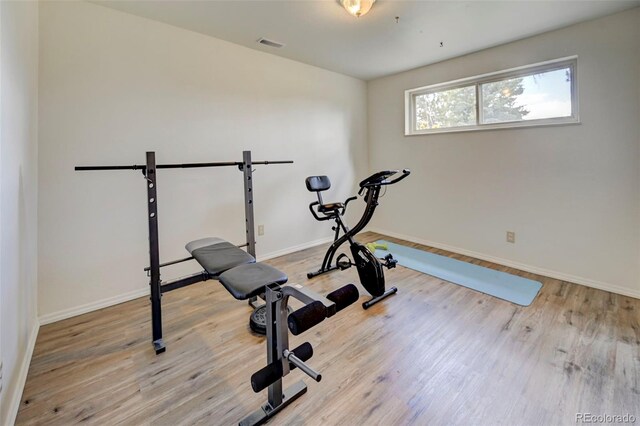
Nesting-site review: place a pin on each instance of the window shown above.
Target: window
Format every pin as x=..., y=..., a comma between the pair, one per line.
x=534, y=95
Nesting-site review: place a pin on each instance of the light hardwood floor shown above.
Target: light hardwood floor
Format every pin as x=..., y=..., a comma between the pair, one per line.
x=435, y=353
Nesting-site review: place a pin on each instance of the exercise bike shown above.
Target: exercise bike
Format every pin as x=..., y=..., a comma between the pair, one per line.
x=369, y=266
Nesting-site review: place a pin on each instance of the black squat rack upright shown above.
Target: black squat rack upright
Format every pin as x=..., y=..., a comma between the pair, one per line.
x=153, y=270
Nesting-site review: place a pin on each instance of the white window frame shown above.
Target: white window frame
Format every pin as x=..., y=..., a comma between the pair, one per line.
x=523, y=71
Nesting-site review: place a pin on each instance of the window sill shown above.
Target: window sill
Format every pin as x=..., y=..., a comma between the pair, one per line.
x=500, y=126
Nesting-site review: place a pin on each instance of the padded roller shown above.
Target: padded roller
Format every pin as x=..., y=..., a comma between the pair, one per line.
x=266, y=376
x=306, y=317
x=344, y=296
x=272, y=372
x=304, y=352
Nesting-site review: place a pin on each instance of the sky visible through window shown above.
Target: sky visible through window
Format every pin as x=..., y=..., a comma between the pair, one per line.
x=546, y=95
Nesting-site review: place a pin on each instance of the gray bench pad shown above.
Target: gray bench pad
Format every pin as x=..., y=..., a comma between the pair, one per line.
x=203, y=242
x=247, y=281
x=219, y=257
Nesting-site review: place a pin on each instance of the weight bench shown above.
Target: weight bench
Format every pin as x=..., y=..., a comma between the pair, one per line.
x=239, y=273
x=245, y=279
x=236, y=269
x=216, y=256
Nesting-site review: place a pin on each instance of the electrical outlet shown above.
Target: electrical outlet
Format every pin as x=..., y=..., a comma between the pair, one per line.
x=511, y=237
x=260, y=229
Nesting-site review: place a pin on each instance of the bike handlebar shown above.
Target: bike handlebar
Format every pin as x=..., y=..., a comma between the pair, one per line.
x=381, y=179
x=405, y=173
x=313, y=212
x=346, y=203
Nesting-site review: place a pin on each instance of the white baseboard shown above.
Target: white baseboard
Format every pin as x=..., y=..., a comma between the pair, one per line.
x=111, y=301
x=93, y=306
x=613, y=288
x=14, y=394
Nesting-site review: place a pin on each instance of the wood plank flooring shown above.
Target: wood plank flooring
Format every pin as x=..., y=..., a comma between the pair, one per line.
x=435, y=353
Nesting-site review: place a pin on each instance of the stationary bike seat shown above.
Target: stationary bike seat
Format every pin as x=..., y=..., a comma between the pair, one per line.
x=325, y=208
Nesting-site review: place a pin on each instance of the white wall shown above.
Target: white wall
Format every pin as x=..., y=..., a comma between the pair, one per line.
x=18, y=201
x=1, y=298
x=571, y=193
x=113, y=86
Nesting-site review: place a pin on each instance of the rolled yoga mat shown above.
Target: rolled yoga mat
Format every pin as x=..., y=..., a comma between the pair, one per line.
x=502, y=285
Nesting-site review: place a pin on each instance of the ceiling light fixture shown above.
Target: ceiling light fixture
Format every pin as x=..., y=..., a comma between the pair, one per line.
x=357, y=8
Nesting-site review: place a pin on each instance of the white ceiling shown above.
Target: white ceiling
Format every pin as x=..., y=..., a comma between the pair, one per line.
x=321, y=33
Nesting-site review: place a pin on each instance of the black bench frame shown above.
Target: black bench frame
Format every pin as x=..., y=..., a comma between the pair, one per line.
x=158, y=288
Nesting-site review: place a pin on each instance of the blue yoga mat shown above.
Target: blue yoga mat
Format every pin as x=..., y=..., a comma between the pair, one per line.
x=511, y=288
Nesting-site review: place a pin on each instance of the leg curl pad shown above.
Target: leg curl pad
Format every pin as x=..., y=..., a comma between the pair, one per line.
x=344, y=296
x=306, y=317
x=266, y=376
x=272, y=372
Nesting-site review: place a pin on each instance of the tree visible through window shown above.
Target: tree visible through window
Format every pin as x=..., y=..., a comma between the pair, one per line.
x=449, y=108
x=500, y=101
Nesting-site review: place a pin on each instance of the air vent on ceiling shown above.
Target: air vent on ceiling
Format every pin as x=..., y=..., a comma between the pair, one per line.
x=270, y=43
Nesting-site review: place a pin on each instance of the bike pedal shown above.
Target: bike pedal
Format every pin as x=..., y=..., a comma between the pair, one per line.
x=343, y=265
